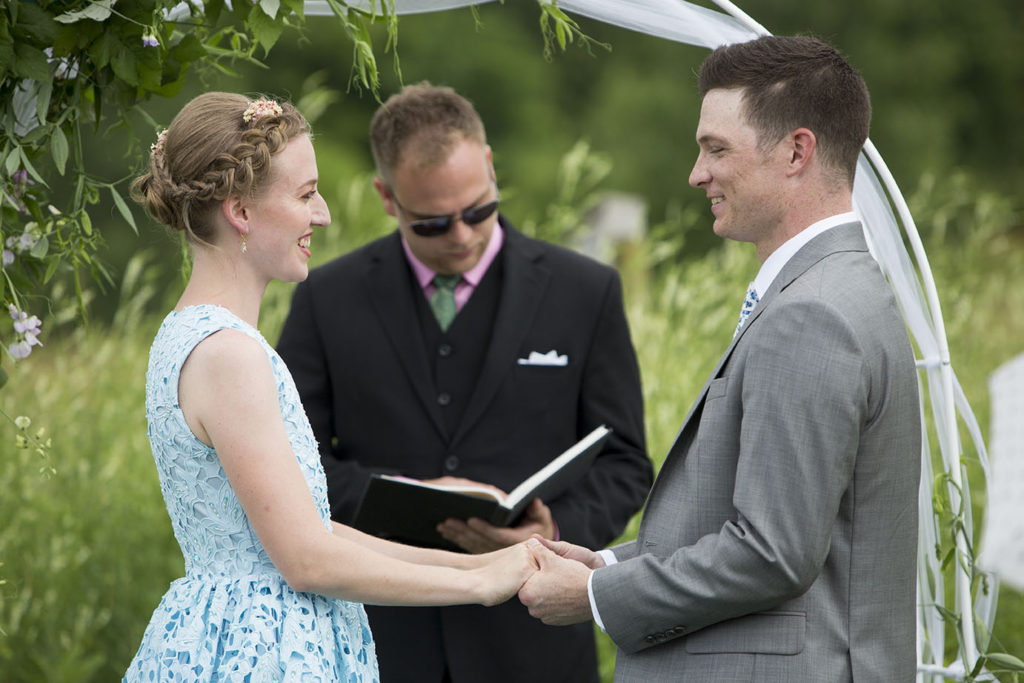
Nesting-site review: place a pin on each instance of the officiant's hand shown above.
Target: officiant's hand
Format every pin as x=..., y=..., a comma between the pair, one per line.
x=477, y=536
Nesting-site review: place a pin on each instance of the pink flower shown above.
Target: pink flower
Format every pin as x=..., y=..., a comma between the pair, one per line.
x=260, y=108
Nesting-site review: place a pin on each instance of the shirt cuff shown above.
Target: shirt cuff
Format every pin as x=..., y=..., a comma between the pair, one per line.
x=609, y=559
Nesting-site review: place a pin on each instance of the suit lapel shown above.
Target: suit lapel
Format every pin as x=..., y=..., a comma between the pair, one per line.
x=387, y=285
x=847, y=237
x=522, y=291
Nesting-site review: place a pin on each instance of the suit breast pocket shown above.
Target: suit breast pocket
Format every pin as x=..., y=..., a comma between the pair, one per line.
x=719, y=416
x=717, y=388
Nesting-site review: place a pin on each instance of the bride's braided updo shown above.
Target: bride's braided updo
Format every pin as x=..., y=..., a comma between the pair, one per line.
x=219, y=144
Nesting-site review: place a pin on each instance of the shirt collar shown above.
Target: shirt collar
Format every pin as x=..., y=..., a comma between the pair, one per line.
x=773, y=265
x=425, y=276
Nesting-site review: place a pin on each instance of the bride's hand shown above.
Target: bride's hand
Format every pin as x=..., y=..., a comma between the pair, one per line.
x=503, y=572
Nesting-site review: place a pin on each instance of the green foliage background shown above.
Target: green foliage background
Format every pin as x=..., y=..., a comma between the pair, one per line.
x=87, y=551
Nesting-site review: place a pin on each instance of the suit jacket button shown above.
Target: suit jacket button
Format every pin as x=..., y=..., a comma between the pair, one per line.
x=650, y=639
x=444, y=398
x=444, y=350
x=451, y=463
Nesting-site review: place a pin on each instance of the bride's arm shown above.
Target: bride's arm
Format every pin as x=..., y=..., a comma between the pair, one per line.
x=228, y=394
x=410, y=553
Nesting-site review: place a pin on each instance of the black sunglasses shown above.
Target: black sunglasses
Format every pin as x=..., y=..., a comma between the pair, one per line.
x=439, y=225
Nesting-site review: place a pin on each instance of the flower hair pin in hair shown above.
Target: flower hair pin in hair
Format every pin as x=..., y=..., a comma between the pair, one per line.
x=157, y=148
x=260, y=108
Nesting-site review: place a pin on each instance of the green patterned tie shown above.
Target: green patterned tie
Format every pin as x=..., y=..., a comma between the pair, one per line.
x=442, y=301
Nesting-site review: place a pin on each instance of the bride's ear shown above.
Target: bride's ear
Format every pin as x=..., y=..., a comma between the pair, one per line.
x=236, y=213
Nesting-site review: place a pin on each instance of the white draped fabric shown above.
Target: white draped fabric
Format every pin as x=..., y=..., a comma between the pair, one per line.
x=1003, y=547
x=890, y=229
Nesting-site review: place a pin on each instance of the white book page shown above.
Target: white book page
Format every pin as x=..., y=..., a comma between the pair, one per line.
x=527, y=486
x=467, y=490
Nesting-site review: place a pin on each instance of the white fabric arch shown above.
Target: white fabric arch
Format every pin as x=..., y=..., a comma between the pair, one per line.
x=887, y=223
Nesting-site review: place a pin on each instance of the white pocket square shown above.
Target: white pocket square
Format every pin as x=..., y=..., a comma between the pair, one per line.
x=549, y=358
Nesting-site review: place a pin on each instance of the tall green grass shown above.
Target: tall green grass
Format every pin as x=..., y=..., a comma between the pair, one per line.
x=87, y=551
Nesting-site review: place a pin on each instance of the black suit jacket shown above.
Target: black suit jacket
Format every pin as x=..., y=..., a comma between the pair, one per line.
x=354, y=345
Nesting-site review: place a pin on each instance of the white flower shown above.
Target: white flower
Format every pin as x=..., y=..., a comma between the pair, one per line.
x=8, y=257
x=26, y=325
x=26, y=240
x=27, y=330
x=20, y=349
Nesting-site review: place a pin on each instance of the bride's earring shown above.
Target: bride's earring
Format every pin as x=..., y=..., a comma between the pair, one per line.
x=244, y=249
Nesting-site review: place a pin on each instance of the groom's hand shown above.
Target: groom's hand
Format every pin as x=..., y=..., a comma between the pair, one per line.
x=557, y=593
x=477, y=536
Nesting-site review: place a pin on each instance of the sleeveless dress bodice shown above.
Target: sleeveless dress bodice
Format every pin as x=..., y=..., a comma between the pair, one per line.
x=232, y=617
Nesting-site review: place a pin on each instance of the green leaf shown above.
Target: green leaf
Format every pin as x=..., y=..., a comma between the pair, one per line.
x=6, y=50
x=85, y=222
x=225, y=70
x=270, y=7
x=101, y=49
x=171, y=88
x=3, y=377
x=51, y=269
x=12, y=161
x=212, y=10
x=264, y=29
x=188, y=49
x=35, y=23
x=40, y=248
x=98, y=10
x=30, y=168
x=123, y=208
x=59, y=149
x=149, y=69
x=1005, y=661
x=30, y=62
x=124, y=64
x=43, y=100
x=297, y=6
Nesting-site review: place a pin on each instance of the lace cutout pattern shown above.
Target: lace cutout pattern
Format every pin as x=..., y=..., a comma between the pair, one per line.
x=232, y=617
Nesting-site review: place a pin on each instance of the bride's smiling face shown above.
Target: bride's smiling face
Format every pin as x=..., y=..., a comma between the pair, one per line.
x=284, y=213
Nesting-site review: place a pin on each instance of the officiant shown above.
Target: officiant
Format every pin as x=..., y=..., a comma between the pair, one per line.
x=458, y=349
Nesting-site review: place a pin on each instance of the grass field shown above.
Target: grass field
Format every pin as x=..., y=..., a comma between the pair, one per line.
x=85, y=543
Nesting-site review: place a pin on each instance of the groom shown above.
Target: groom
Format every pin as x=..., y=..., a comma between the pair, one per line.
x=779, y=539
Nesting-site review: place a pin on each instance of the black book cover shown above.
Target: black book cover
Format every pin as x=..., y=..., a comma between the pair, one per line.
x=409, y=511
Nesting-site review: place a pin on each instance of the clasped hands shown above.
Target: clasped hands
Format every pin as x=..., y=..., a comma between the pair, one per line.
x=556, y=591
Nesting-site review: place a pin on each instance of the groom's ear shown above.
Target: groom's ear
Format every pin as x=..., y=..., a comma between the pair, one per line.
x=801, y=148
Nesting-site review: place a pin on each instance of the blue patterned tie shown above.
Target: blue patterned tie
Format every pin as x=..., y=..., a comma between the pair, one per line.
x=749, y=304
x=442, y=301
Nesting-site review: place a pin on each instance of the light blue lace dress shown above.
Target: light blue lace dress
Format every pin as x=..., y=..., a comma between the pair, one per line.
x=233, y=617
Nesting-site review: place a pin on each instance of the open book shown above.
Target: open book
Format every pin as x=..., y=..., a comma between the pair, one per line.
x=409, y=510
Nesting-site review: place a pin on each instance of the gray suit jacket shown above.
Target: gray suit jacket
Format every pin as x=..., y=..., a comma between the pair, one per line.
x=779, y=539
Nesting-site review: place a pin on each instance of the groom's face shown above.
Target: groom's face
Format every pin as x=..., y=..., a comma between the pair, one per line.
x=741, y=179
